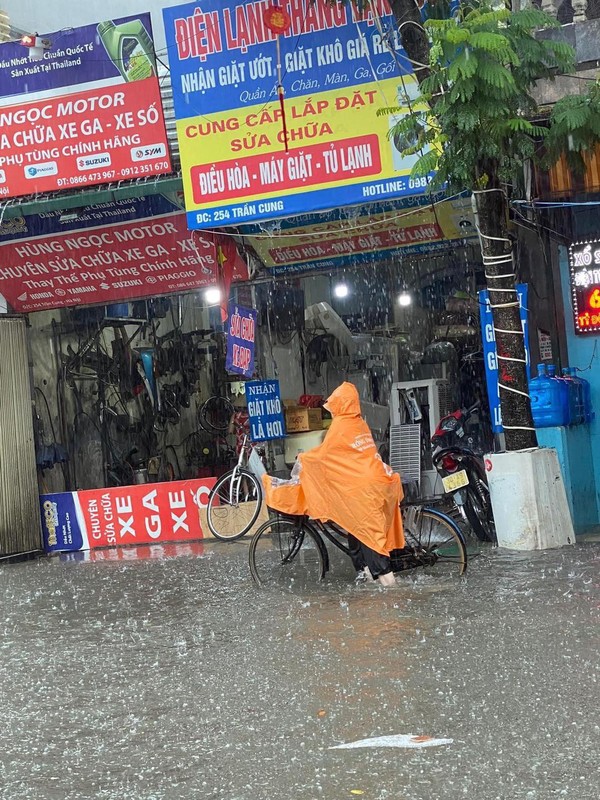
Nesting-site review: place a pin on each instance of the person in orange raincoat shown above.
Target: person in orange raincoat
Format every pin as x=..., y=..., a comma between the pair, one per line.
x=344, y=480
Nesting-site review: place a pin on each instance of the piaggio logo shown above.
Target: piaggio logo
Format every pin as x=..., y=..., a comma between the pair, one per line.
x=158, y=150
x=49, y=168
x=93, y=162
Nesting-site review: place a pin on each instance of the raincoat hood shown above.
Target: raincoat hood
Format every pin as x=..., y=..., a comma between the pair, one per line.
x=344, y=401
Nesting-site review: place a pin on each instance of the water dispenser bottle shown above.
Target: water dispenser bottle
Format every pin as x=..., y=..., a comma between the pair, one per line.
x=577, y=411
x=549, y=401
x=588, y=412
x=565, y=395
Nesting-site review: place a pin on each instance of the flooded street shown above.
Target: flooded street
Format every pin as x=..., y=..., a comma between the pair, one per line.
x=174, y=677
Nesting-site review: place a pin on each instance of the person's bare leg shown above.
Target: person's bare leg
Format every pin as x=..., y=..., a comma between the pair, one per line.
x=389, y=579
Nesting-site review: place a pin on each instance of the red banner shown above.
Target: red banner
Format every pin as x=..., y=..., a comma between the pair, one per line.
x=101, y=135
x=143, y=258
x=315, y=164
x=146, y=514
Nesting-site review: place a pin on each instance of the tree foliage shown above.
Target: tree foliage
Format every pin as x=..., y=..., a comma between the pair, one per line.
x=473, y=123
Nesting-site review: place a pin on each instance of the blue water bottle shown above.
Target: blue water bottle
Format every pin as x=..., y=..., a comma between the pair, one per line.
x=562, y=398
x=570, y=375
x=588, y=412
x=576, y=413
x=546, y=403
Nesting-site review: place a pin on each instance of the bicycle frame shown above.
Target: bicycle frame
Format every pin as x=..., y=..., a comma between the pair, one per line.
x=410, y=513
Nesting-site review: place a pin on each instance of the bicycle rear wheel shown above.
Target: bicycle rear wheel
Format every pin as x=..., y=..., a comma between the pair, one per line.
x=433, y=541
x=234, y=504
x=286, y=553
x=215, y=415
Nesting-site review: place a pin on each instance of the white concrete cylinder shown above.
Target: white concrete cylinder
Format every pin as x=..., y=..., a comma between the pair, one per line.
x=529, y=500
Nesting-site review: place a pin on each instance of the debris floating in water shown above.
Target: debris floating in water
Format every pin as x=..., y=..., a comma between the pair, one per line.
x=407, y=740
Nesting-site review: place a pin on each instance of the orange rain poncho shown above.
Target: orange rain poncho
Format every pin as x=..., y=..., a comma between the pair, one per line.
x=344, y=480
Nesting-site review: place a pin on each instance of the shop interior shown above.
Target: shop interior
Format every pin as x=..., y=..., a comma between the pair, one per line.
x=138, y=392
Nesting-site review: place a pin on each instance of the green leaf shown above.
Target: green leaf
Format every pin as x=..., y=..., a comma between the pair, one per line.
x=531, y=19
x=463, y=66
x=493, y=42
x=496, y=75
x=478, y=19
x=457, y=35
x=572, y=116
x=426, y=164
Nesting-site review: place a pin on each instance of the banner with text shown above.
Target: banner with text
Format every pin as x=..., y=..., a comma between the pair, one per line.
x=490, y=354
x=146, y=514
x=123, y=261
x=332, y=243
x=341, y=66
x=265, y=410
x=241, y=337
x=89, y=112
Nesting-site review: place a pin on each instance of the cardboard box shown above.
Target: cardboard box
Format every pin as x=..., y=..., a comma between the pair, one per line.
x=299, y=419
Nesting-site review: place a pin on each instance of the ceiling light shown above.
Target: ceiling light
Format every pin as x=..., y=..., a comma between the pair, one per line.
x=213, y=295
x=341, y=290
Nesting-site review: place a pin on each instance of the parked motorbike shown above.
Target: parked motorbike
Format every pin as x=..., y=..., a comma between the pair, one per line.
x=458, y=448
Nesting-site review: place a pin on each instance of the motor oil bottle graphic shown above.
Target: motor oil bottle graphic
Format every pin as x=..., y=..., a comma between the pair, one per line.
x=130, y=48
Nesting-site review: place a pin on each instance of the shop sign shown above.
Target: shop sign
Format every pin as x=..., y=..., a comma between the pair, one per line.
x=129, y=260
x=584, y=262
x=265, y=410
x=490, y=355
x=333, y=243
x=338, y=72
x=150, y=513
x=241, y=336
x=88, y=112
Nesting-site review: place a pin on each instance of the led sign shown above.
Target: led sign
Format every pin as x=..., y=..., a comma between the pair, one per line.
x=584, y=260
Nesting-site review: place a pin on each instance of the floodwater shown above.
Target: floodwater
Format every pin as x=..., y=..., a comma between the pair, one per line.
x=173, y=677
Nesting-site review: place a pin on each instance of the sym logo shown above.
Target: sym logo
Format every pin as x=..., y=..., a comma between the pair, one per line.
x=48, y=168
x=158, y=150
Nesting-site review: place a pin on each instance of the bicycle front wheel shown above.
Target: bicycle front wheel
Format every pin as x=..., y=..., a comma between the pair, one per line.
x=433, y=541
x=286, y=553
x=234, y=505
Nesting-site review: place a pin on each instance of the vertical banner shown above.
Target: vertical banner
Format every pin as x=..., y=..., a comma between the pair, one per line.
x=241, y=338
x=265, y=410
x=490, y=355
x=262, y=142
x=88, y=112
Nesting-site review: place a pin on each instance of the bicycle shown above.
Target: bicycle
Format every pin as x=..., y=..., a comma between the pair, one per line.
x=288, y=549
x=236, y=499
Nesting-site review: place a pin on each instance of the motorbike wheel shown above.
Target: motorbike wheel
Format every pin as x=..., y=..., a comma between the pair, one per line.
x=479, y=517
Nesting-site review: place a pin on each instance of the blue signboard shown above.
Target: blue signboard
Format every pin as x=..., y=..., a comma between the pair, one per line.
x=265, y=410
x=258, y=142
x=47, y=223
x=490, y=355
x=241, y=335
x=61, y=528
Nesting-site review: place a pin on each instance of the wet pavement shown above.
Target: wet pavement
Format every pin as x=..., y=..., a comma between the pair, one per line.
x=174, y=677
